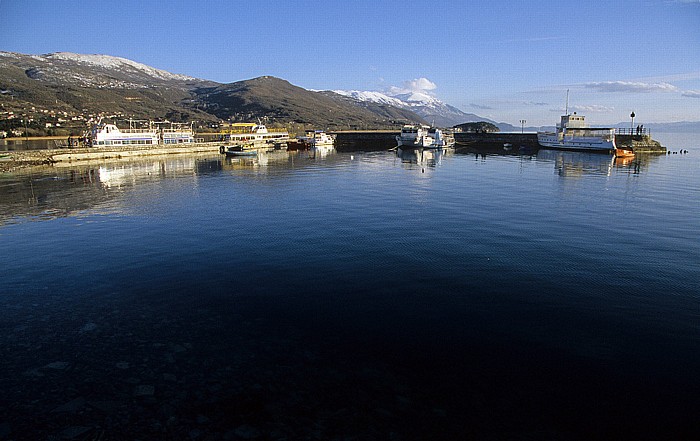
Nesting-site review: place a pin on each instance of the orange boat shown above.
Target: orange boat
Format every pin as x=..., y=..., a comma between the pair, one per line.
x=624, y=153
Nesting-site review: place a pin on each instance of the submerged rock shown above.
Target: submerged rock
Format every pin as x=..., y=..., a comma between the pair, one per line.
x=144, y=390
x=58, y=365
x=72, y=406
x=87, y=327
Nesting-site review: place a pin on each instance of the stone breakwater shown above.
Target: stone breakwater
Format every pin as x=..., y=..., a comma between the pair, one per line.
x=13, y=160
x=639, y=143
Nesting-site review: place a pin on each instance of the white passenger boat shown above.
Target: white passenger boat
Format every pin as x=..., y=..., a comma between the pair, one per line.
x=574, y=134
x=103, y=134
x=258, y=133
x=421, y=136
x=140, y=133
x=317, y=138
x=177, y=133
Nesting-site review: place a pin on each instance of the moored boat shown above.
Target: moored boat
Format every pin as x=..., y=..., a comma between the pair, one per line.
x=140, y=133
x=177, y=133
x=103, y=134
x=622, y=152
x=317, y=138
x=242, y=132
x=572, y=133
x=421, y=136
x=238, y=150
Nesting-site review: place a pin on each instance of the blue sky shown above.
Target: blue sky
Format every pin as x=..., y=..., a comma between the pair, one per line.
x=506, y=60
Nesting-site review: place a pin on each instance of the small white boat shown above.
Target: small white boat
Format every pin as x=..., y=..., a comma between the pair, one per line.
x=420, y=136
x=317, y=138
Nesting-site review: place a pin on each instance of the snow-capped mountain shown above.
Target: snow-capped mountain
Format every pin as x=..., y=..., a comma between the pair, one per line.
x=100, y=71
x=426, y=106
x=117, y=63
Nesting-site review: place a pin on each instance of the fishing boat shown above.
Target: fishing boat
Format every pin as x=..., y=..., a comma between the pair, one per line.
x=422, y=136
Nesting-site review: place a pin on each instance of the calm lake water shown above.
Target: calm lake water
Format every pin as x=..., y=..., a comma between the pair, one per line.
x=367, y=295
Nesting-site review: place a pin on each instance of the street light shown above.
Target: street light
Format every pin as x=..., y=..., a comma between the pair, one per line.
x=632, y=115
x=522, y=126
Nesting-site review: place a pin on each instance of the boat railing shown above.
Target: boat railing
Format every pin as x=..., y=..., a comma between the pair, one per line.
x=138, y=130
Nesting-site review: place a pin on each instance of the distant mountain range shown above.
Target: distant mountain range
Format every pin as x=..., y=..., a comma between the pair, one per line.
x=426, y=106
x=76, y=84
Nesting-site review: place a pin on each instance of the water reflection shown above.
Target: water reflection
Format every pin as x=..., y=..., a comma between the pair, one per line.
x=322, y=151
x=261, y=160
x=422, y=156
x=576, y=164
x=62, y=190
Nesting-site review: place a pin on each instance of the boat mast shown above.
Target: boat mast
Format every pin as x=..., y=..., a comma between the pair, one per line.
x=567, y=102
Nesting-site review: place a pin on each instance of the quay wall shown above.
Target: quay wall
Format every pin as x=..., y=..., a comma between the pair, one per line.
x=374, y=140
x=639, y=143
x=495, y=139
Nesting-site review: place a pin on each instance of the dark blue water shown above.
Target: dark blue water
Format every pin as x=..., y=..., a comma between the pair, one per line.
x=352, y=296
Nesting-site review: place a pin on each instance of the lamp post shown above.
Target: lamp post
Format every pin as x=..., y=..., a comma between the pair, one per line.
x=632, y=115
x=522, y=126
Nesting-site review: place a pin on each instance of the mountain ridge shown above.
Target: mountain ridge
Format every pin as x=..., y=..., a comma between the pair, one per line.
x=37, y=88
x=90, y=86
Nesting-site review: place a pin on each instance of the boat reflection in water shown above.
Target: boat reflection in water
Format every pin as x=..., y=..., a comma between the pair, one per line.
x=321, y=151
x=575, y=164
x=422, y=156
x=262, y=158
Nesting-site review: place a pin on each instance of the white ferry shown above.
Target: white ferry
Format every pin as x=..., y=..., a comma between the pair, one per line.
x=417, y=136
x=317, y=138
x=574, y=134
x=103, y=134
x=257, y=133
x=150, y=133
x=178, y=133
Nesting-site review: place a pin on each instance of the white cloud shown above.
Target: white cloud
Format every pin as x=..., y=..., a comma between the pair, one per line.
x=628, y=86
x=419, y=85
x=691, y=93
x=419, y=88
x=587, y=109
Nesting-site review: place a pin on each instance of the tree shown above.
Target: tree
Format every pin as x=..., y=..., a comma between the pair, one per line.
x=477, y=127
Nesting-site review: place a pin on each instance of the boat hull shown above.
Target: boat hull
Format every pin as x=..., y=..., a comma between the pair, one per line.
x=241, y=153
x=594, y=145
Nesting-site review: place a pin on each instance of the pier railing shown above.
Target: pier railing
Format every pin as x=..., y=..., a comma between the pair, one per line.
x=633, y=131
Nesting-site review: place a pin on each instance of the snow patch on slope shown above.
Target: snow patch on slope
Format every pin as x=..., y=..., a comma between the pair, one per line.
x=116, y=63
x=368, y=96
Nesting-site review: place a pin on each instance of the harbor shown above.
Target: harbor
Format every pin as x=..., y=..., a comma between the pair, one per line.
x=360, y=294
x=345, y=141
